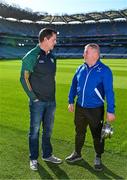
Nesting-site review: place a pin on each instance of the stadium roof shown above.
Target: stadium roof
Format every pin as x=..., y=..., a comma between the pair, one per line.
x=7, y=11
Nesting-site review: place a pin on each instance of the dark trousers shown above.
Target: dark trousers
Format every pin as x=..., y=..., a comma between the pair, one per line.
x=94, y=117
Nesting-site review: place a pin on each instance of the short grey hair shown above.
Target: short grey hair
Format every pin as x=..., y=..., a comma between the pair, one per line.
x=94, y=46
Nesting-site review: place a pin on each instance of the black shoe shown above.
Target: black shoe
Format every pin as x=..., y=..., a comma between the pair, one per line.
x=73, y=157
x=98, y=164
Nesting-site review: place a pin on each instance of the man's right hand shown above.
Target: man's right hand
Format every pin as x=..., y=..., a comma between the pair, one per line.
x=71, y=107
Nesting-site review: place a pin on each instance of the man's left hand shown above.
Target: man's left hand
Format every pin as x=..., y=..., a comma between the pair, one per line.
x=110, y=117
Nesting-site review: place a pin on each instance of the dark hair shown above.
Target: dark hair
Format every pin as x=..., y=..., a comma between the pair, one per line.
x=46, y=32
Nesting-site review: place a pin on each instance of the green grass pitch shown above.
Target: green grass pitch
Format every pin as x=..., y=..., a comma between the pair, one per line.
x=14, y=125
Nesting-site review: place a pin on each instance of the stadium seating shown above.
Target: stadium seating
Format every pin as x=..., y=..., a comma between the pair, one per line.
x=18, y=37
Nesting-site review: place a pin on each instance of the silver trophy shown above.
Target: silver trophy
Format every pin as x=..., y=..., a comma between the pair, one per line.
x=107, y=131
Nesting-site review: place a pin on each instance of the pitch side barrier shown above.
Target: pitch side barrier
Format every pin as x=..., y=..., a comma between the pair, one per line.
x=79, y=55
x=117, y=56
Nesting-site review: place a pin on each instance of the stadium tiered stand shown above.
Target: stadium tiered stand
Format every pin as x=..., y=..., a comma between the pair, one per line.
x=108, y=29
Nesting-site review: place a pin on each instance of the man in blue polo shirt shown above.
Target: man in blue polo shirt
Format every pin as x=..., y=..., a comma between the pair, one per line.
x=92, y=82
x=38, y=80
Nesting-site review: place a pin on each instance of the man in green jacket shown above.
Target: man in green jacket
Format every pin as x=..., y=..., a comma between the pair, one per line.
x=38, y=80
